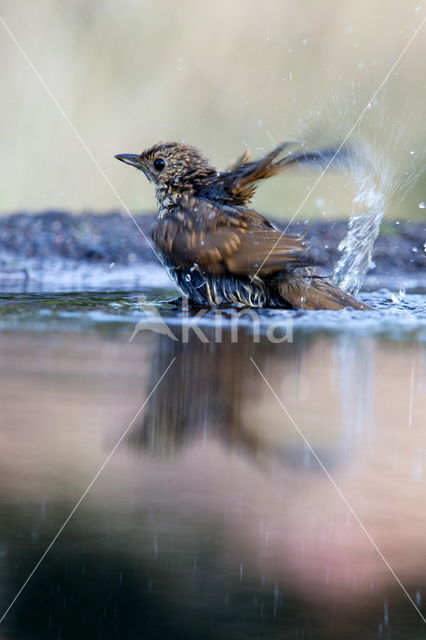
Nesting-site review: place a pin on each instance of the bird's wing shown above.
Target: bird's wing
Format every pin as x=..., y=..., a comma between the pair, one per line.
x=241, y=177
x=224, y=239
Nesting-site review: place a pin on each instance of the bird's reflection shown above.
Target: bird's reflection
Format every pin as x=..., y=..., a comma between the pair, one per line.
x=214, y=390
x=160, y=546
x=203, y=394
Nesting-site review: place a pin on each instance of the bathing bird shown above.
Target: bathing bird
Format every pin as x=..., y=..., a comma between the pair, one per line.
x=216, y=247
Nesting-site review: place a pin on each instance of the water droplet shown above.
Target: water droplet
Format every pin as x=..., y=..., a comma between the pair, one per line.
x=386, y=613
x=422, y=205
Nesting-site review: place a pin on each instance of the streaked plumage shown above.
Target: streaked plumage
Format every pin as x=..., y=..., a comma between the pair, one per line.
x=215, y=246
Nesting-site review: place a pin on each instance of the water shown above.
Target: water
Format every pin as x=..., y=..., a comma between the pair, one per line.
x=400, y=316
x=220, y=513
x=375, y=183
x=381, y=168
x=357, y=248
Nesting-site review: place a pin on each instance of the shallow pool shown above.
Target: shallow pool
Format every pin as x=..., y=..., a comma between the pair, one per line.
x=229, y=475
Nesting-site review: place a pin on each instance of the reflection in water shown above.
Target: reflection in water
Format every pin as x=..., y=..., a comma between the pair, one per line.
x=215, y=391
x=212, y=519
x=208, y=392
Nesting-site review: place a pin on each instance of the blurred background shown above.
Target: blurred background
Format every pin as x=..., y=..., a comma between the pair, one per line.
x=221, y=76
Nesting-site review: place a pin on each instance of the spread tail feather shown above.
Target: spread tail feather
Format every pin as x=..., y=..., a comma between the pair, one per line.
x=314, y=293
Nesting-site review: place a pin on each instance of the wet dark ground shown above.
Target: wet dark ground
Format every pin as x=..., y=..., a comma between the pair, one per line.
x=107, y=249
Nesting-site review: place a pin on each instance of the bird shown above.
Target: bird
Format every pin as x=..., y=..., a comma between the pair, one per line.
x=216, y=247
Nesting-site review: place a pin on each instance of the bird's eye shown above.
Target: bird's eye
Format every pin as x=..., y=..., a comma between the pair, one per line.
x=159, y=164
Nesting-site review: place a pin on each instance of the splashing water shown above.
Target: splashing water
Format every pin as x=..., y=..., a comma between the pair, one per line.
x=357, y=246
x=379, y=183
x=383, y=161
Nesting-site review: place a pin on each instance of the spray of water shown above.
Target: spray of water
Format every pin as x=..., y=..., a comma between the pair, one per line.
x=372, y=188
x=381, y=165
x=380, y=184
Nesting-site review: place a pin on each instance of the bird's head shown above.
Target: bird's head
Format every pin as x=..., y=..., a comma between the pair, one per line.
x=170, y=165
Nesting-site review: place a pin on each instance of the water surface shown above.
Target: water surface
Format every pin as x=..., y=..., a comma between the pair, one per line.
x=272, y=485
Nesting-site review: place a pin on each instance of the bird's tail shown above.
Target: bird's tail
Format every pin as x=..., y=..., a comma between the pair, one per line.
x=314, y=293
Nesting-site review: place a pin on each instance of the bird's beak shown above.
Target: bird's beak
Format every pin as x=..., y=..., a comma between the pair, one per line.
x=129, y=158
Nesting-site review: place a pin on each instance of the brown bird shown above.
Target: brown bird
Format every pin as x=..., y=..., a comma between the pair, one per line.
x=215, y=246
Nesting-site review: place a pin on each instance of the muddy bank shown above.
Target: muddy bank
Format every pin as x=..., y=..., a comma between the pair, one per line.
x=62, y=249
